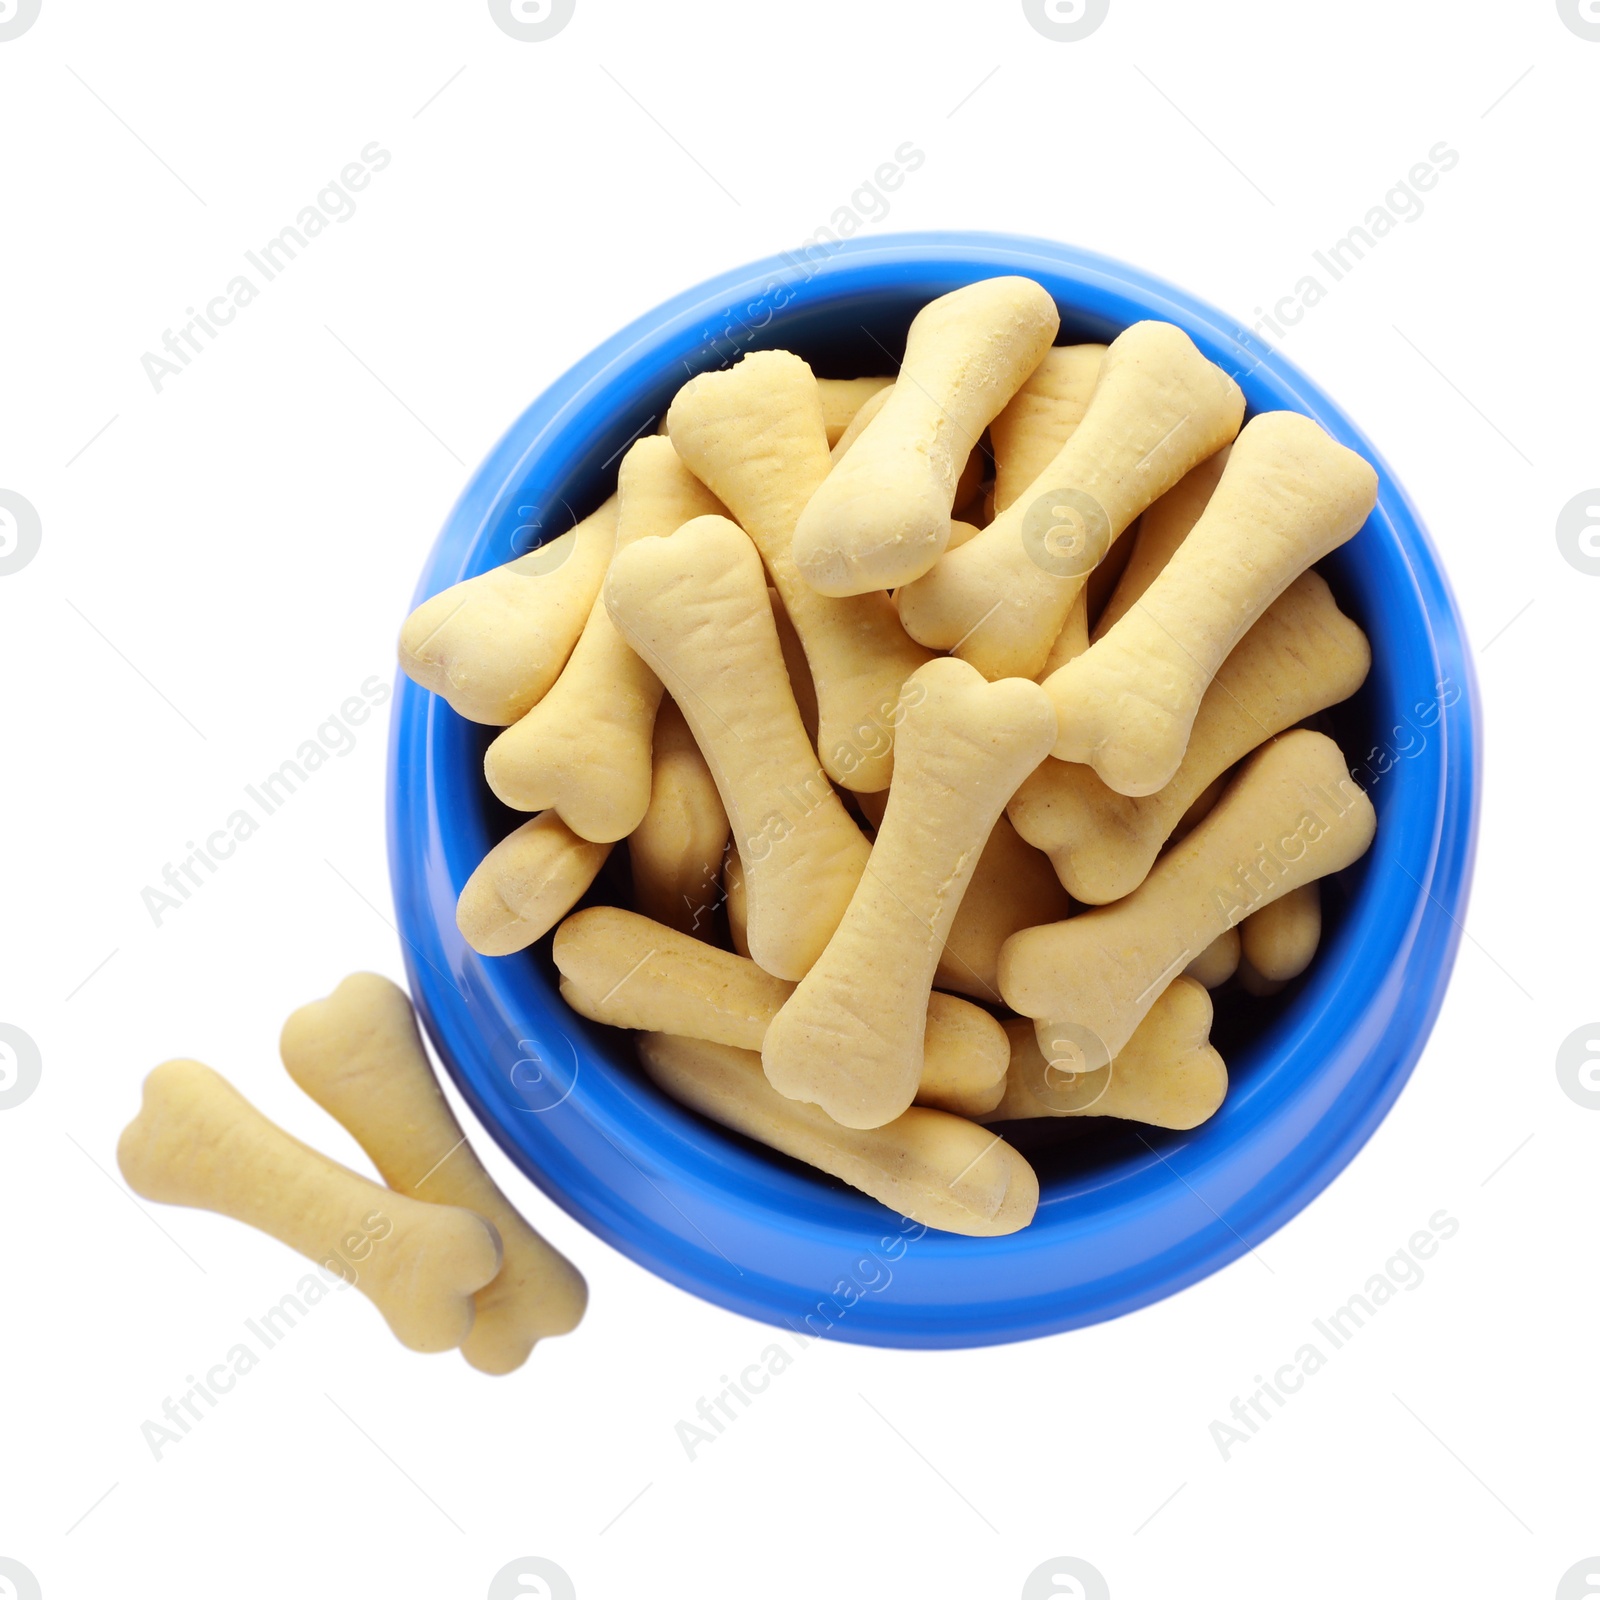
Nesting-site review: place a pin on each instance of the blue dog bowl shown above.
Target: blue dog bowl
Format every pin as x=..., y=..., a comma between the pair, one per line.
x=1127, y=1214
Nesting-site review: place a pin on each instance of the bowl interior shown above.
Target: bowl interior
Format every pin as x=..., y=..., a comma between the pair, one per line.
x=1291, y=1059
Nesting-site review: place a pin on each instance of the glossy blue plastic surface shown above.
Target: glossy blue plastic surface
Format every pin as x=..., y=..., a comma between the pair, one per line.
x=1127, y=1215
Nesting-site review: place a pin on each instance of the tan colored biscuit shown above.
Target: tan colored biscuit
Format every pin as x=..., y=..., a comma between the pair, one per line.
x=1108, y=573
x=850, y=1037
x=1288, y=495
x=1293, y=814
x=1167, y=1075
x=493, y=645
x=1158, y=409
x=843, y=399
x=964, y=1057
x=1159, y=532
x=1280, y=940
x=1073, y=639
x=1200, y=807
x=1041, y=416
x=526, y=884
x=1302, y=655
x=1013, y=887
x=359, y=1056
x=736, y=900
x=1218, y=961
x=584, y=750
x=967, y=486
x=624, y=970
x=1046, y=413
x=794, y=662
x=695, y=608
x=198, y=1142
x=927, y=1165
x=882, y=516
x=754, y=435
x=675, y=853
x=839, y=444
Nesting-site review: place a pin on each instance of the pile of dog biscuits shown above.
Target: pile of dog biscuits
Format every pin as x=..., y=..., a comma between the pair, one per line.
x=955, y=726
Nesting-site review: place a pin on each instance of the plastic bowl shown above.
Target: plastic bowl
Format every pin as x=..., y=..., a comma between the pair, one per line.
x=1127, y=1214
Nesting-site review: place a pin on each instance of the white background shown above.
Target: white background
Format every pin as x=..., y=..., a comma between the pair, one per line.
x=224, y=562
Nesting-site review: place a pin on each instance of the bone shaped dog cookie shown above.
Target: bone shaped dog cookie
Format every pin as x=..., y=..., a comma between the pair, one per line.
x=1302, y=655
x=695, y=608
x=927, y=1165
x=1217, y=962
x=358, y=1055
x=675, y=853
x=198, y=1142
x=1013, y=886
x=627, y=971
x=964, y=1057
x=850, y=1037
x=735, y=900
x=492, y=645
x=1280, y=940
x=794, y=661
x=1158, y=409
x=839, y=447
x=843, y=400
x=525, y=885
x=1162, y=528
x=622, y=969
x=754, y=436
x=1073, y=639
x=1293, y=814
x=584, y=750
x=1288, y=495
x=1168, y=1075
x=882, y=516
x=1041, y=416
x=967, y=485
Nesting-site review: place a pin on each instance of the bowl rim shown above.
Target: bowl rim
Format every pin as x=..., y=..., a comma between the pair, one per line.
x=652, y=1179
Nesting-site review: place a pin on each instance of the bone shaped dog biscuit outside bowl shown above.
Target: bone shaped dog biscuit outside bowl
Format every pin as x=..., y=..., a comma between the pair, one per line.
x=1127, y=1214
